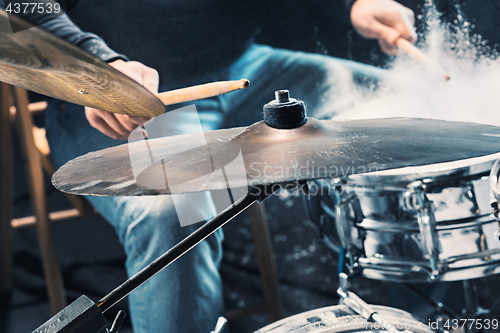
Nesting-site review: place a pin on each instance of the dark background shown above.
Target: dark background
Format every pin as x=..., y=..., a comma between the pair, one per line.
x=92, y=259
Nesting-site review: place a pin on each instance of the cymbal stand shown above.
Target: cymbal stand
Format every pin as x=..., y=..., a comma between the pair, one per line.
x=257, y=193
x=84, y=316
x=472, y=310
x=439, y=306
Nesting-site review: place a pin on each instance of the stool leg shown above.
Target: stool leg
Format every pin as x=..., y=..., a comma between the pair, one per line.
x=53, y=276
x=267, y=264
x=6, y=202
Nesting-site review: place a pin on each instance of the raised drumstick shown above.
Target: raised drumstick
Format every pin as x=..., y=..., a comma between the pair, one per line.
x=421, y=57
x=201, y=91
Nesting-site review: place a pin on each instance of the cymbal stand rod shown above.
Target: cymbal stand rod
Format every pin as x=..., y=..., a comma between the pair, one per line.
x=472, y=309
x=494, y=307
x=256, y=193
x=432, y=302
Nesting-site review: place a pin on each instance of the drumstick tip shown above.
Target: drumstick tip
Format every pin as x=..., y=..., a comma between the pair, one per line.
x=421, y=57
x=244, y=83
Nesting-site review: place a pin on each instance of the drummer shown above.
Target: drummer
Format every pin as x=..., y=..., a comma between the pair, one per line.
x=172, y=44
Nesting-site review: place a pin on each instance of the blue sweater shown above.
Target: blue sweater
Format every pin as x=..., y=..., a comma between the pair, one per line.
x=175, y=37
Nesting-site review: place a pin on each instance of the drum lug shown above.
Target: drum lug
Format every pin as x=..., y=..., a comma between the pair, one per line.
x=495, y=210
x=427, y=225
x=470, y=194
x=495, y=194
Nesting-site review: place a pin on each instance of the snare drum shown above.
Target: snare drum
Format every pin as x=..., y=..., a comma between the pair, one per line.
x=340, y=318
x=417, y=224
x=495, y=184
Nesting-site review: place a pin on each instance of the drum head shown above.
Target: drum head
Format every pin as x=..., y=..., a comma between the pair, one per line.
x=340, y=318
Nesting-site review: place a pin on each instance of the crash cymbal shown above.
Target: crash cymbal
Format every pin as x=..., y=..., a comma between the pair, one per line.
x=41, y=62
x=260, y=154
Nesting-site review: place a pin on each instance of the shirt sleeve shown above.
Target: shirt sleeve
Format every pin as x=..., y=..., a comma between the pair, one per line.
x=63, y=27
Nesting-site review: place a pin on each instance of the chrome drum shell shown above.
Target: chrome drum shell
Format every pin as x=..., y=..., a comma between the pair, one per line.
x=421, y=224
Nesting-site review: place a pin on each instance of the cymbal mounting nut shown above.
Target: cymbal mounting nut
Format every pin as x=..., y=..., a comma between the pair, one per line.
x=284, y=112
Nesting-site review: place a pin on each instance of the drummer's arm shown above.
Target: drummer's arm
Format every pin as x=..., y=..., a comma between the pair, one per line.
x=114, y=125
x=385, y=20
x=63, y=27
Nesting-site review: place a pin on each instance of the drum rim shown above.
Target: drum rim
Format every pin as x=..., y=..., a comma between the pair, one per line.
x=379, y=308
x=494, y=178
x=428, y=173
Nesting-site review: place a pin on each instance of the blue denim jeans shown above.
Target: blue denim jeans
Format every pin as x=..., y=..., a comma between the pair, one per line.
x=187, y=295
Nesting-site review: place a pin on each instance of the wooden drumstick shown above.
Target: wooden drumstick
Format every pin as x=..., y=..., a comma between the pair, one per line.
x=419, y=56
x=201, y=91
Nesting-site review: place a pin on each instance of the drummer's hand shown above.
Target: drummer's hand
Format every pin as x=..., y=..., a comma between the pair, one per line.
x=118, y=126
x=385, y=20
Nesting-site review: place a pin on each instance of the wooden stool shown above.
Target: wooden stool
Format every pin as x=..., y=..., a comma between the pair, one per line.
x=15, y=106
x=267, y=268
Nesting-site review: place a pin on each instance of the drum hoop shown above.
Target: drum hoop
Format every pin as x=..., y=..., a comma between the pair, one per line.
x=467, y=167
x=386, y=310
x=494, y=177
